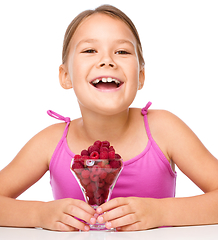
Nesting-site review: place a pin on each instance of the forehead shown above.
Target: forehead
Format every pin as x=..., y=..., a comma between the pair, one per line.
x=102, y=27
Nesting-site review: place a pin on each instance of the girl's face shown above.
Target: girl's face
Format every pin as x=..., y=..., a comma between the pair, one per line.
x=102, y=65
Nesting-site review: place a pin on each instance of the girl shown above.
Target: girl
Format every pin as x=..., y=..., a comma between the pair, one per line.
x=103, y=63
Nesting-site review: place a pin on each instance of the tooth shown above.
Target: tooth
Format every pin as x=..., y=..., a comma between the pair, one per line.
x=116, y=81
x=104, y=80
x=109, y=79
x=96, y=81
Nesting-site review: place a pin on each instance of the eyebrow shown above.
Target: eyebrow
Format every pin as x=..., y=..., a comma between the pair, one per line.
x=123, y=41
x=120, y=41
x=86, y=41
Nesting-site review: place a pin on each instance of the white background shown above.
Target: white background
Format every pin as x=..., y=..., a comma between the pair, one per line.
x=179, y=40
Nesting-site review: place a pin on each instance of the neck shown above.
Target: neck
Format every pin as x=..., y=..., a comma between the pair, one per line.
x=97, y=126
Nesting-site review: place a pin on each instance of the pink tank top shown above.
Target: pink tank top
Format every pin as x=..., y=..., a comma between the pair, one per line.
x=148, y=174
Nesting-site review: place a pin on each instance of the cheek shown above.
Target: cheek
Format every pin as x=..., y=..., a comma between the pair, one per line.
x=76, y=72
x=134, y=74
x=80, y=70
x=133, y=85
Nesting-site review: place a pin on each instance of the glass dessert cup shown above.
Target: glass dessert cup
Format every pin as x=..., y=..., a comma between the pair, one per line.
x=96, y=178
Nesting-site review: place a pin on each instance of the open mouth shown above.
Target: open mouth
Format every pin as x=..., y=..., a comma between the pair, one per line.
x=106, y=83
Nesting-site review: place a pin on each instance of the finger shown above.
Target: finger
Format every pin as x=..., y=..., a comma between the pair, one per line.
x=71, y=221
x=80, y=213
x=131, y=227
x=59, y=226
x=122, y=221
x=114, y=203
x=83, y=205
x=116, y=213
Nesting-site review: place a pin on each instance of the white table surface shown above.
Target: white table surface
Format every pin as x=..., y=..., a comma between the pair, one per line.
x=209, y=232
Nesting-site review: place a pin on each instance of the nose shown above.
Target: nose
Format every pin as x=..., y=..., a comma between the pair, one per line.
x=106, y=61
x=104, y=64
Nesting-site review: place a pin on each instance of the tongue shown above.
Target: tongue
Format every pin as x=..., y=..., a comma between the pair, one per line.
x=106, y=86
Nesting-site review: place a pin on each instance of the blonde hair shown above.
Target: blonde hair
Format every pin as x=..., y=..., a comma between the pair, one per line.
x=105, y=9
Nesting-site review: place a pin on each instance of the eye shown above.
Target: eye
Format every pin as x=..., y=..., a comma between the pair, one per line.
x=90, y=51
x=123, y=52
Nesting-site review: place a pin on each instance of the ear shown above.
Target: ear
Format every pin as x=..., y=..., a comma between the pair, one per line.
x=64, y=77
x=141, y=78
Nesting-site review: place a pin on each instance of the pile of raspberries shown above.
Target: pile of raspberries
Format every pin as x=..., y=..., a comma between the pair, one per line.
x=94, y=175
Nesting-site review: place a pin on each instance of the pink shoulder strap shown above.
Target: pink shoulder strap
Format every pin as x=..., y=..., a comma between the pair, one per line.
x=144, y=111
x=59, y=117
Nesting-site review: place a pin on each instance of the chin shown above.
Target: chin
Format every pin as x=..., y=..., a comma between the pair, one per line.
x=107, y=106
x=111, y=110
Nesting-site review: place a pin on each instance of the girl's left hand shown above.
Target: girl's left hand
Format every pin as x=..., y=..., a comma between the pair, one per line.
x=130, y=214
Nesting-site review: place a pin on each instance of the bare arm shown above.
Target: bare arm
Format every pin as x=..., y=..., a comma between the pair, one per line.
x=181, y=145
x=28, y=167
x=196, y=162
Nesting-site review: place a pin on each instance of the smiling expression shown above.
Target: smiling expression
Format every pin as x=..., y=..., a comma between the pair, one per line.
x=103, y=65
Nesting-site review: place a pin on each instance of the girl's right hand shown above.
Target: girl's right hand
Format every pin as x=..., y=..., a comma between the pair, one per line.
x=64, y=215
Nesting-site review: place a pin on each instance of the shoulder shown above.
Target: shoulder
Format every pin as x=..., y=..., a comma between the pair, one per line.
x=157, y=117
x=52, y=134
x=164, y=120
x=166, y=123
x=164, y=114
x=170, y=133
x=46, y=140
x=55, y=130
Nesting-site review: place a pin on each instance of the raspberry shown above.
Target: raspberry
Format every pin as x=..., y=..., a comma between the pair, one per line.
x=115, y=164
x=94, y=177
x=111, y=155
x=99, y=200
x=115, y=171
x=103, y=155
x=106, y=191
x=102, y=164
x=117, y=156
x=110, y=178
x=85, y=174
x=85, y=157
x=103, y=149
x=84, y=152
x=94, y=155
x=90, y=194
x=91, y=201
x=77, y=165
x=96, y=170
x=98, y=193
x=101, y=183
x=85, y=181
x=103, y=174
x=105, y=144
x=91, y=187
x=77, y=157
x=97, y=143
x=111, y=148
x=108, y=168
x=93, y=148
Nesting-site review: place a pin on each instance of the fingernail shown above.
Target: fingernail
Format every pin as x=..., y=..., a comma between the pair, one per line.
x=86, y=228
x=93, y=220
x=96, y=215
x=100, y=219
x=108, y=225
x=99, y=210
